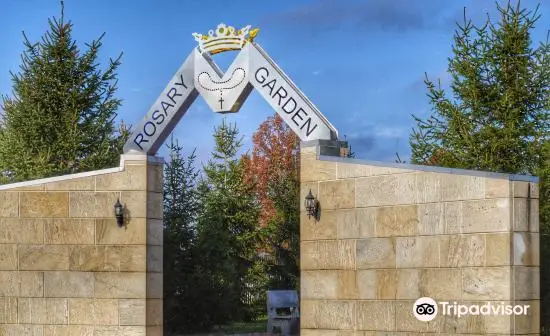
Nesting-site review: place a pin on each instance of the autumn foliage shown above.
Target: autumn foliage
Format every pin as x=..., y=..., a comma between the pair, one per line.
x=274, y=152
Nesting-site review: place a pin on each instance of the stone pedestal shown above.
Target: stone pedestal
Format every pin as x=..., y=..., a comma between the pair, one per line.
x=67, y=268
x=389, y=234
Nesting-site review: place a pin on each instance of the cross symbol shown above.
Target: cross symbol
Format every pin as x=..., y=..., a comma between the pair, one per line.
x=221, y=101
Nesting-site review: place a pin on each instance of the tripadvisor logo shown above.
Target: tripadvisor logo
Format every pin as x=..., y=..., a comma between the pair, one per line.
x=426, y=309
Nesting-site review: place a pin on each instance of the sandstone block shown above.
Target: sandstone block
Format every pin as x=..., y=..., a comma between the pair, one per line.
x=109, y=233
x=375, y=315
x=21, y=231
x=408, y=284
x=132, y=312
x=21, y=284
x=154, y=259
x=155, y=232
x=454, y=217
x=534, y=216
x=154, y=312
x=376, y=253
x=431, y=219
x=68, y=330
x=338, y=194
x=490, y=215
x=78, y=184
x=44, y=204
x=456, y=187
x=497, y=188
x=325, y=314
x=533, y=190
x=366, y=223
x=68, y=284
x=385, y=190
x=530, y=322
x=462, y=250
x=133, y=258
x=93, y=311
x=44, y=257
x=386, y=284
x=521, y=214
x=366, y=284
x=352, y=170
x=69, y=231
x=9, y=204
x=486, y=283
x=43, y=311
x=313, y=169
x=92, y=258
x=119, y=331
x=154, y=205
x=380, y=170
x=422, y=251
x=498, y=249
x=92, y=204
x=428, y=187
x=526, y=283
x=123, y=285
x=36, y=187
x=21, y=330
x=397, y=221
x=347, y=285
x=154, y=286
x=134, y=177
x=325, y=228
x=334, y=254
x=309, y=255
x=526, y=247
x=8, y=310
x=155, y=178
x=8, y=257
x=520, y=189
x=154, y=330
x=440, y=283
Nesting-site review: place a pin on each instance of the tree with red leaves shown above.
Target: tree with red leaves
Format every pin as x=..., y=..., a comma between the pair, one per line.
x=275, y=151
x=272, y=169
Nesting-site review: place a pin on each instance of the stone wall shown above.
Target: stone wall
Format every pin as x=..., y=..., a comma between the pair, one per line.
x=67, y=268
x=388, y=235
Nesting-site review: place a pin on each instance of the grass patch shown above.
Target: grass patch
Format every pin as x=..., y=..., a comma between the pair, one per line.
x=257, y=326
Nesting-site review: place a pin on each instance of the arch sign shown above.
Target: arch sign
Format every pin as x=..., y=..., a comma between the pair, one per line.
x=226, y=92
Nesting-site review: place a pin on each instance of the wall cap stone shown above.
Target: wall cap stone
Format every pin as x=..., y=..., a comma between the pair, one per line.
x=510, y=177
x=123, y=159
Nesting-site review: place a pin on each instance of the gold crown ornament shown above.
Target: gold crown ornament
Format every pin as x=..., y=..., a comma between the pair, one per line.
x=225, y=38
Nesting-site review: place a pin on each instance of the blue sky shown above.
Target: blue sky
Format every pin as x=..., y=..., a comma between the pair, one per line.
x=362, y=63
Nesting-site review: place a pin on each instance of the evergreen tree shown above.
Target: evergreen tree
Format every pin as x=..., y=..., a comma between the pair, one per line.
x=181, y=206
x=226, y=231
x=498, y=117
x=283, y=231
x=60, y=118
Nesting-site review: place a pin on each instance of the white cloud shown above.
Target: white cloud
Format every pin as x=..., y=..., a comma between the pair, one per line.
x=391, y=132
x=316, y=72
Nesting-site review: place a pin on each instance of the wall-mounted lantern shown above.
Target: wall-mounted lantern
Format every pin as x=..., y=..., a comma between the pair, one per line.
x=119, y=213
x=312, y=205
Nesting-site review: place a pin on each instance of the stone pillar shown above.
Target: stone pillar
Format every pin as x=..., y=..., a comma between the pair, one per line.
x=67, y=268
x=389, y=234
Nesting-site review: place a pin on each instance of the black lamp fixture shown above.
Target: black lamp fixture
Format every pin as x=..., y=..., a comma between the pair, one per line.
x=312, y=205
x=119, y=213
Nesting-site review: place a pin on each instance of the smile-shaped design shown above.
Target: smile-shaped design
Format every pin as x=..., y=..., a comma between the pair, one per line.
x=206, y=82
